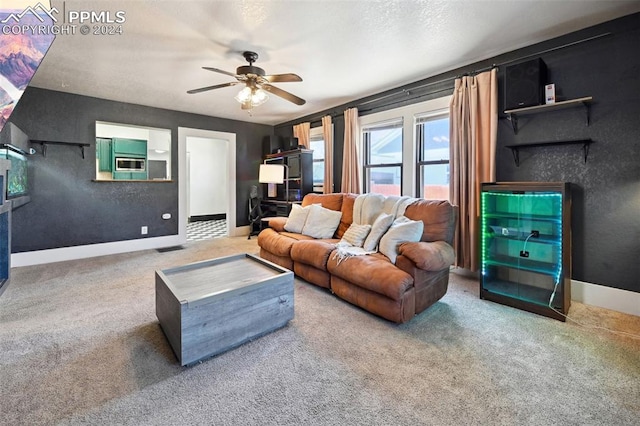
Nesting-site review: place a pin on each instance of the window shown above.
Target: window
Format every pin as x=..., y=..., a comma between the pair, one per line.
x=383, y=157
x=432, y=140
x=317, y=145
x=393, y=148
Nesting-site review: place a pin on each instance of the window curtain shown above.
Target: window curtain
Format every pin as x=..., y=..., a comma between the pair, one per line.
x=350, y=177
x=473, y=133
x=327, y=134
x=302, y=131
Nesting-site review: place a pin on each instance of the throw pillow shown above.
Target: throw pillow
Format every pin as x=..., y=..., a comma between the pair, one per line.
x=379, y=227
x=297, y=218
x=321, y=222
x=356, y=235
x=403, y=230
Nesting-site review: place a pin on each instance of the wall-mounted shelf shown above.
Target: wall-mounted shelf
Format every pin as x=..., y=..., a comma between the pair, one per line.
x=44, y=144
x=515, y=149
x=512, y=114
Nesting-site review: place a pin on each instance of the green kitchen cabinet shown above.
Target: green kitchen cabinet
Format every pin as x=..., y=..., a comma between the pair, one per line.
x=103, y=152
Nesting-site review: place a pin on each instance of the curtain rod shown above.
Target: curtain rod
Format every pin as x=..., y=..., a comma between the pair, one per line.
x=487, y=68
x=447, y=79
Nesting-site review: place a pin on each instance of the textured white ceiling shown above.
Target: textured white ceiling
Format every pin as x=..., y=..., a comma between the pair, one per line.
x=343, y=50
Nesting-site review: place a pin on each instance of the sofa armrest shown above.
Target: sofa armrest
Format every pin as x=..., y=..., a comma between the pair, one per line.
x=433, y=256
x=277, y=223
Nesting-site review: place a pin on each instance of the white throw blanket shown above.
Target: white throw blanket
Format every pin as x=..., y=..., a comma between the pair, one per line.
x=366, y=208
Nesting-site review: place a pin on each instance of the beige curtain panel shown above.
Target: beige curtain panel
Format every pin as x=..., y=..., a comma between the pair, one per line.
x=302, y=131
x=473, y=133
x=350, y=177
x=327, y=134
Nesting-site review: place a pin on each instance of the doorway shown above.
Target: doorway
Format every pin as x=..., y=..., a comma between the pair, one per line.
x=207, y=187
x=207, y=176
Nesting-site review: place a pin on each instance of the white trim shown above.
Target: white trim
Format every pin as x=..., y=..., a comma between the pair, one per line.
x=407, y=114
x=230, y=138
x=625, y=301
x=39, y=257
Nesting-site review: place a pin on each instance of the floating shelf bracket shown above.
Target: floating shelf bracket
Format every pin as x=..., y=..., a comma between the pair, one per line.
x=44, y=144
x=512, y=114
x=513, y=118
x=515, y=149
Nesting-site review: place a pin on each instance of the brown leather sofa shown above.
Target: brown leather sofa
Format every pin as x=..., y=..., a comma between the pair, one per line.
x=397, y=291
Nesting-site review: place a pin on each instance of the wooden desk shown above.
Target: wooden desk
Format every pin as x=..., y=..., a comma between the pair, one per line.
x=277, y=207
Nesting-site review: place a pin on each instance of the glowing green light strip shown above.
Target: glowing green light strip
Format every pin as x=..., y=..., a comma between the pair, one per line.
x=483, y=223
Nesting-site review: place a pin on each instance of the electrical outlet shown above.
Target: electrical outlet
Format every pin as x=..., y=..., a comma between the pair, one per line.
x=524, y=253
x=144, y=230
x=535, y=234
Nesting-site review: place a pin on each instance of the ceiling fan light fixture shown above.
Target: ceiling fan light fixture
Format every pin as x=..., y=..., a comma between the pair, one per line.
x=251, y=97
x=257, y=84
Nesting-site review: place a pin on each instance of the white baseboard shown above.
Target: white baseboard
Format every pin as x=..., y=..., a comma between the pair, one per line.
x=625, y=301
x=40, y=257
x=241, y=231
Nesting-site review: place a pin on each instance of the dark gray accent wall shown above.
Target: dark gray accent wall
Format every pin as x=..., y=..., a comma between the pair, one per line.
x=601, y=61
x=68, y=208
x=606, y=225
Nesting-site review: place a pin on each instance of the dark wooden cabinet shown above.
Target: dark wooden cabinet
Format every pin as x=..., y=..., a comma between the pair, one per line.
x=525, y=245
x=299, y=175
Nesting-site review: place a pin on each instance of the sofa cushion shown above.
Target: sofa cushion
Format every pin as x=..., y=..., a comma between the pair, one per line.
x=284, y=261
x=277, y=223
x=380, y=226
x=312, y=252
x=347, y=214
x=279, y=243
x=328, y=201
x=321, y=222
x=401, y=231
x=367, y=207
x=429, y=256
x=439, y=218
x=356, y=235
x=297, y=218
x=398, y=311
x=373, y=272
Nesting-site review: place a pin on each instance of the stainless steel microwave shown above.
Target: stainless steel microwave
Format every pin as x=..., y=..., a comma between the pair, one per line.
x=130, y=164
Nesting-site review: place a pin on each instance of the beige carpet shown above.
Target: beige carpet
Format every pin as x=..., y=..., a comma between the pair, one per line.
x=80, y=344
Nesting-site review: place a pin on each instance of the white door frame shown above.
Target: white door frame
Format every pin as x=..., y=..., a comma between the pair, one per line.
x=230, y=138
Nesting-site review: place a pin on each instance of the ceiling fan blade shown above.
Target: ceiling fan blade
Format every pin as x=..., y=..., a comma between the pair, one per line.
x=283, y=94
x=282, y=78
x=217, y=86
x=220, y=71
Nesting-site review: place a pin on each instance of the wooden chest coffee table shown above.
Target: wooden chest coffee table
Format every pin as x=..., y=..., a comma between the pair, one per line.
x=209, y=307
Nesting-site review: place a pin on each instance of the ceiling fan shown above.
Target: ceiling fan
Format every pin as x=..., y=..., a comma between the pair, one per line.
x=256, y=84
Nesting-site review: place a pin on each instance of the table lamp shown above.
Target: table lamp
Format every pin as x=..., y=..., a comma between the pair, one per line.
x=274, y=174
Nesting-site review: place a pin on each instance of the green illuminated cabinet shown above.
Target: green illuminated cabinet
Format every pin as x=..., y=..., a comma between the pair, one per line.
x=525, y=246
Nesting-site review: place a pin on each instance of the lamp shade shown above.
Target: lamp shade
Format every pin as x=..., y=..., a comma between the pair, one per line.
x=271, y=173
